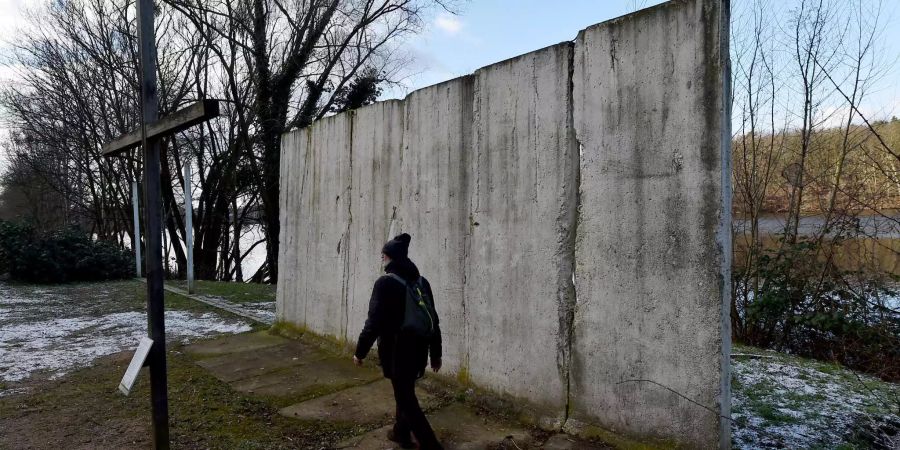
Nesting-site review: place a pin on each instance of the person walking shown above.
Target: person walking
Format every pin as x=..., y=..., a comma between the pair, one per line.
x=403, y=319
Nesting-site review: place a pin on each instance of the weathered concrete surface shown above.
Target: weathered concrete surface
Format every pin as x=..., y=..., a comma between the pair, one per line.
x=249, y=363
x=566, y=442
x=361, y=405
x=236, y=343
x=457, y=427
x=519, y=264
x=347, y=397
x=376, y=144
x=460, y=428
x=272, y=366
x=652, y=253
x=508, y=217
x=287, y=293
x=310, y=376
x=434, y=206
x=315, y=285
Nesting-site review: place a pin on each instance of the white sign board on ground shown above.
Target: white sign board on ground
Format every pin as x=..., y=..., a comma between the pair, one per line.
x=136, y=363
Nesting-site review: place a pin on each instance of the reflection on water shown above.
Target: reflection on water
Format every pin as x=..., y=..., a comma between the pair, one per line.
x=249, y=236
x=880, y=226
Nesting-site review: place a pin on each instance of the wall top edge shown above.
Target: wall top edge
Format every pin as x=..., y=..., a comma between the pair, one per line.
x=642, y=13
x=508, y=61
x=611, y=22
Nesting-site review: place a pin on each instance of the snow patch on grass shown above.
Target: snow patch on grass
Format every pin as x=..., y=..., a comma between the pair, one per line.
x=52, y=330
x=60, y=345
x=264, y=310
x=784, y=402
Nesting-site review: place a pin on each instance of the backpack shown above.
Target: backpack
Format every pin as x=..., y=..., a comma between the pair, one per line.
x=419, y=314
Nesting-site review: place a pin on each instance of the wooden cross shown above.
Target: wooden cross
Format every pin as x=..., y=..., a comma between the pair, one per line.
x=148, y=136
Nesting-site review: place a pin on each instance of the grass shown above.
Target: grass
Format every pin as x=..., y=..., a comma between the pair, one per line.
x=130, y=295
x=83, y=409
x=231, y=291
x=179, y=302
x=175, y=301
x=205, y=413
x=784, y=400
x=89, y=297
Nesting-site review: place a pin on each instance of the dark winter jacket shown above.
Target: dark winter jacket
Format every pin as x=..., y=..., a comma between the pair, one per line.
x=401, y=355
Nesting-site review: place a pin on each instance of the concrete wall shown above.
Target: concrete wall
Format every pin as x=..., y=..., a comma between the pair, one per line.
x=570, y=207
x=523, y=211
x=376, y=149
x=312, y=291
x=434, y=205
x=651, y=261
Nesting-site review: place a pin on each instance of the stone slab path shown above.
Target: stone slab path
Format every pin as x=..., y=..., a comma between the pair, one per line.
x=308, y=382
x=368, y=404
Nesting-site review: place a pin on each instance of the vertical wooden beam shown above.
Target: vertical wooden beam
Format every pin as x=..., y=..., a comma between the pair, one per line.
x=152, y=205
x=136, y=244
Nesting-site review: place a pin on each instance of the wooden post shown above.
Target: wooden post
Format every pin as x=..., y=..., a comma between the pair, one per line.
x=148, y=135
x=152, y=205
x=136, y=244
x=189, y=223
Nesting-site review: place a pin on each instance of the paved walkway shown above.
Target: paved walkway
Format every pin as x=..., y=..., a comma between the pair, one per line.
x=250, y=311
x=310, y=383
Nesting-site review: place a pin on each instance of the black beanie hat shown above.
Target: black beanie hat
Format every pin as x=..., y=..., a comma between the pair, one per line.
x=398, y=247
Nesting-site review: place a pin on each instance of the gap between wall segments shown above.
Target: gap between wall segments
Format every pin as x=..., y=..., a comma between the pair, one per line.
x=345, y=288
x=570, y=288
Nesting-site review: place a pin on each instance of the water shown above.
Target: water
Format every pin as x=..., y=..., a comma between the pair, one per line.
x=251, y=263
x=877, y=226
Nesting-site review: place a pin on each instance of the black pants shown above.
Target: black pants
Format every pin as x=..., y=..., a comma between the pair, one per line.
x=410, y=417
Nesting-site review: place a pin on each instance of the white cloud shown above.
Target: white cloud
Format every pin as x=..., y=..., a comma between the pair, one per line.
x=12, y=13
x=448, y=23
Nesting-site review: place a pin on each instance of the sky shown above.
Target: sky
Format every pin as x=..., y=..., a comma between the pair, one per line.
x=484, y=32
x=488, y=31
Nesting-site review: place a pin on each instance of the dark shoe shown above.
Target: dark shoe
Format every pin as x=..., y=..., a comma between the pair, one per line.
x=403, y=443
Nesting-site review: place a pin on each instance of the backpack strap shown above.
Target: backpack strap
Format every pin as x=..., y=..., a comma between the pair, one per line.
x=418, y=283
x=398, y=278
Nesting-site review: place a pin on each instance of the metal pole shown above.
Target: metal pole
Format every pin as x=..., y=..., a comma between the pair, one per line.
x=136, y=244
x=155, y=308
x=189, y=223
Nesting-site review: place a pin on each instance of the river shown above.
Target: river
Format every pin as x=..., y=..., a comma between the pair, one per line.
x=878, y=226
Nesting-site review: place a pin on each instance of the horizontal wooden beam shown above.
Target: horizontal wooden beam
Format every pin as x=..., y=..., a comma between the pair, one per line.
x=182, y=119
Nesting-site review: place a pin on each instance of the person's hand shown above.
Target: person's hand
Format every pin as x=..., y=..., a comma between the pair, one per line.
x=435, y=365
x=357, y=361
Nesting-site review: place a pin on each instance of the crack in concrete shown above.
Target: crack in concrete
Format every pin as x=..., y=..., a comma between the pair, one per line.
x=345, y=283
x=466, y=127
x=568, y=223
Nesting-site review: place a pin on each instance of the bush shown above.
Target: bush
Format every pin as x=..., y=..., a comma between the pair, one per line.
x=795, y=301
x=60, y=256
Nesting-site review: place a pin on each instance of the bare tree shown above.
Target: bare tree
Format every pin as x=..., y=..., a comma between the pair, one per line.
x=275, y=64
x=760, y=142
x=804, y=145
x=298, y=56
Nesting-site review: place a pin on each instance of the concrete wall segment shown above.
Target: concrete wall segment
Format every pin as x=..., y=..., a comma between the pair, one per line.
x=600, y=164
